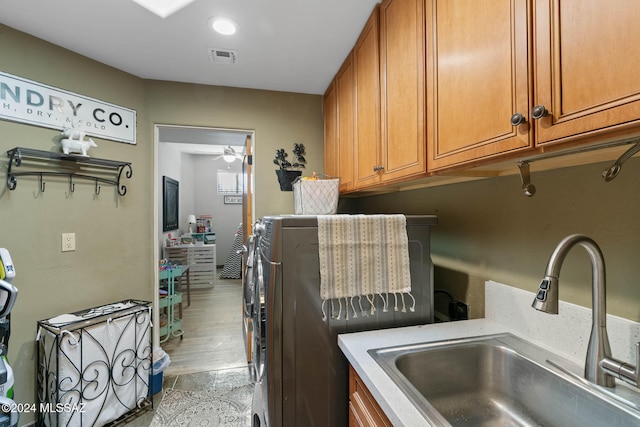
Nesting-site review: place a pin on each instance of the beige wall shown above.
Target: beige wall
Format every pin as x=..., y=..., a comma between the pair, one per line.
x=489, y=230
x=114, y=235
x=113, y=260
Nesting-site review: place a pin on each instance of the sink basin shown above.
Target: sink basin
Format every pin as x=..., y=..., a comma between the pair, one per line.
x=502, y=380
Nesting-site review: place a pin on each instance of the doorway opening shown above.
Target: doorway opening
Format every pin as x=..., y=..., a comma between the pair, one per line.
x=195, y=157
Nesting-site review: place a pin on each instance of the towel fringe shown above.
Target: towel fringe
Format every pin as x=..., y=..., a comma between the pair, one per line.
x=355, y=313
x=385, y=302
x=372, y=303
x=349, y=301
x=413, y=305
x=362, y=310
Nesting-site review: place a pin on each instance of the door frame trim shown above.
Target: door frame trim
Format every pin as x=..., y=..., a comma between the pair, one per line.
x=156, y=212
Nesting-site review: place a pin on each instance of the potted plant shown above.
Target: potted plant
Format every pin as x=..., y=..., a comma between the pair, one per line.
x=285, y=172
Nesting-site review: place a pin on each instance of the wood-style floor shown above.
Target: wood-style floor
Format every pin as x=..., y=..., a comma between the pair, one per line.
x=212, y=326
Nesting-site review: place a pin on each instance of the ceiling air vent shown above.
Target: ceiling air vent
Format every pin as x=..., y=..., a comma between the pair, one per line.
x=223, y=56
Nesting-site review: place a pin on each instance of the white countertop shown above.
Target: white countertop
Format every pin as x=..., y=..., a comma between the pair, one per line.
x=566, y=334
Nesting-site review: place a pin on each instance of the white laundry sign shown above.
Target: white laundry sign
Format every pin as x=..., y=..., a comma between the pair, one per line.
x=34, y=103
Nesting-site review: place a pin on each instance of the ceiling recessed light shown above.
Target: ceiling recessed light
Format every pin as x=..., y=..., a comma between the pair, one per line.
x=223, y=25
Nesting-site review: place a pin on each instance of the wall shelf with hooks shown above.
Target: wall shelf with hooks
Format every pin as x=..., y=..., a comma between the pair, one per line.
x=42, y=163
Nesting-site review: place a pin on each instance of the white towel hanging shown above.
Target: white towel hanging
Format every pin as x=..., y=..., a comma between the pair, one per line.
x=363, y=255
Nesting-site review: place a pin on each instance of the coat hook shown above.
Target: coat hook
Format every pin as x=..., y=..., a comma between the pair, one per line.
x=41, y=184
x=97, y=188
x=72, y=186
x=527, y=187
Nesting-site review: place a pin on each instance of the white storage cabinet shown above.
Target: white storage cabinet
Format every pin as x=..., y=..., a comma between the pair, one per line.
x=201, y=260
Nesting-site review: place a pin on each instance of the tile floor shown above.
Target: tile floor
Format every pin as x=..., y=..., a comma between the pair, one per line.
x=197, y=381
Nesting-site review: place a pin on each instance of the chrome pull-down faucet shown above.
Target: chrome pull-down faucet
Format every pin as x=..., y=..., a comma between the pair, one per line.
x=600, y=367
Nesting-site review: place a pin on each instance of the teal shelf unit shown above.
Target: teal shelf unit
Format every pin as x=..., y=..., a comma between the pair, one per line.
x=169, y=302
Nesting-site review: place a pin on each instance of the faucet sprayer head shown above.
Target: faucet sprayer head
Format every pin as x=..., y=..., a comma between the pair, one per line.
x=547, y=297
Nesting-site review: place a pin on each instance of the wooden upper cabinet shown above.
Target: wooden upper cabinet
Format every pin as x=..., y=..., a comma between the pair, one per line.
x=345, y=91
x=477, y=78
x=402, y=62
x=449, y=77
x=586, y=72
x=338, y=106
x=367, y=89
x=380, y=98
x=331, y=147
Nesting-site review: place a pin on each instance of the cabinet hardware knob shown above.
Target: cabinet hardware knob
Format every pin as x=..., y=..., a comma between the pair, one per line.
x=517, y=119
x=539, y=112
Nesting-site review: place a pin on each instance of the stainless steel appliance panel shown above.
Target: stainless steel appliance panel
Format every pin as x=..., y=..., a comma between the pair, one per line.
x=306, y=374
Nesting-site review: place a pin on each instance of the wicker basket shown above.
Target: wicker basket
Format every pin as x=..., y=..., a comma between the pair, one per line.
x=316, y=196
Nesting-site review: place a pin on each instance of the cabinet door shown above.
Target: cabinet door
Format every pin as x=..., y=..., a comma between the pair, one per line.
x=330, y=114
x=477, y=78
x=364, y=411
x=346, y=132
x=587, y=67
x=402, y=56
x=367, y=83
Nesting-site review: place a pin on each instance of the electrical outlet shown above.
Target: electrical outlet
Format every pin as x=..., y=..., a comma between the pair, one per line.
x=458, y=311
x=68, y=242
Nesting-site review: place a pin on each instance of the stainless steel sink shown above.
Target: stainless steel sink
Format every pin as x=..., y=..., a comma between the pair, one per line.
x=502, y=380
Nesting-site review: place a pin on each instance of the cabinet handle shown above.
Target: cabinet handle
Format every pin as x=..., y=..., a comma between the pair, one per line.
x=378, y=168
x=517, y=119
x=539, y=112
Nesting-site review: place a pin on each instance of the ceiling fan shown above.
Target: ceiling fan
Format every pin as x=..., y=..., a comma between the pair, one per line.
x=229, y=155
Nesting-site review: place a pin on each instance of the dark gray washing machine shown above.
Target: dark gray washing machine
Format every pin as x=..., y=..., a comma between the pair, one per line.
x=302, y=374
